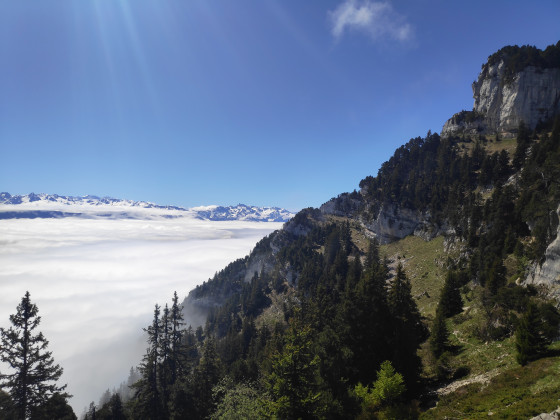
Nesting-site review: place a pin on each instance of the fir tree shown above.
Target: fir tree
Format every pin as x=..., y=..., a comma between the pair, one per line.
x=112, y=409
x=56, y=407
x=408, y=331
x=364, y=325
x=35, y=374
x=529, y=340
x=523, y=143
x=147, y=402
x=176, y=356
x=439, y=338
x=295, y=382
x=91, y=413
x=207, y=375
x=450, y=302
x=496, y=276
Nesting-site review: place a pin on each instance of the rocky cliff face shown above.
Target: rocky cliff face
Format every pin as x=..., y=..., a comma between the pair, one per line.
x=532, y=96
x=548, y=274
x=390, y=223
x=502, y=100
x=394, y=222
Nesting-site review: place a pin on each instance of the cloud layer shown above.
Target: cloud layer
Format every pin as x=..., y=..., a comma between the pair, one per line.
x=96, y=282
x=377, y=20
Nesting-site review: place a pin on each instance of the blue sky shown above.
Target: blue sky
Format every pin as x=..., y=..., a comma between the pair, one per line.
x=264, y=102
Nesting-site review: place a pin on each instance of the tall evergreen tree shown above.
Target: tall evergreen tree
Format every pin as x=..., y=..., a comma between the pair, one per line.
x=56, y=407
x=523, y=143
x=164, y=368
x=112, y=409
x=529, y=339
x=92, y=412
x=365, y=320
x=147, y=403
x=408, y=331
x=177, y=356
x=450, y=302
x=496, y=277
x=207, y=375
x=439, y=338
x=35, y=374
x=295, y=382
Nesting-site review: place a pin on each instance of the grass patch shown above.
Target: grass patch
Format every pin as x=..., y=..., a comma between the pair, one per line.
x=507, y=144
x=491, y=145
x=518, y=393
x=424, y=264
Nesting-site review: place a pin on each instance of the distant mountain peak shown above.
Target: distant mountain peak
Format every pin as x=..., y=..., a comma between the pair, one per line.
x=34, y=205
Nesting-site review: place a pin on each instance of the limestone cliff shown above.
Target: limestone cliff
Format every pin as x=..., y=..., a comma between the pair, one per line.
x=390, y=223
x=513, y=86
x=548, y=274
x=394, y=222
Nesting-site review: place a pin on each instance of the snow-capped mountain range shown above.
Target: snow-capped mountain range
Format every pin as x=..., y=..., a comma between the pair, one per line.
x=32, y=205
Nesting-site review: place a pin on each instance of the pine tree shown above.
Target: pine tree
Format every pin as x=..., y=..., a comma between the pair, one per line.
x=523, y=143
x=387, y=389
x=164, y=369
x=207, y=374
x=450, y=302
x=439, y=338
x=496, y=276
x=92, y=412
x=35, y=374
x=529, y=340
x=112, y=410
x=147, y=399
x=56, y=407
x=177, y=356
x=365, y=315
x=295, y=382
x=408, y=331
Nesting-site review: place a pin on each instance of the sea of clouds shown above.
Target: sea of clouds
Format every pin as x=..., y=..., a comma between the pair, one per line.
x=96, y=282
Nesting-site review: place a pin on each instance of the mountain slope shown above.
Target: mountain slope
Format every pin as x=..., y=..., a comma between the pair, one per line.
x=389, y=299
x=491, y=203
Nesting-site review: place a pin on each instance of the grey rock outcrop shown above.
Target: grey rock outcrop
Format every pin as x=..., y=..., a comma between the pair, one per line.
x=548, y=274
x=345, y=205
x=467, y=122
x=502, y=101
x=532, y=96
x=393, y=223
x=555, y=415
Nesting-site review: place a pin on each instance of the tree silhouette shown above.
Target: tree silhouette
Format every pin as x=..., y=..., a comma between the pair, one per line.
x=34, y=376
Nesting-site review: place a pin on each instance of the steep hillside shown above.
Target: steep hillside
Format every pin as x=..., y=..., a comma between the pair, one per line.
x=483, y=207
x=404, y=299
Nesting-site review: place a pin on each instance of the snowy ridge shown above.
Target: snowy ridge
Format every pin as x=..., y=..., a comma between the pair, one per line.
x=243, y=212
x=33, y=205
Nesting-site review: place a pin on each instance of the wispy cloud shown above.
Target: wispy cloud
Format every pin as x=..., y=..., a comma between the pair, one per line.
x=376, y=19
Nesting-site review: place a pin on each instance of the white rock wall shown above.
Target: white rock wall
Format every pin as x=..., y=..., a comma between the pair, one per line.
x=532, y=95
x=548, y=274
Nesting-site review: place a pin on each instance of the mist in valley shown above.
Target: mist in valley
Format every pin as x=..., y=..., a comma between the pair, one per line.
x=96, y=281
